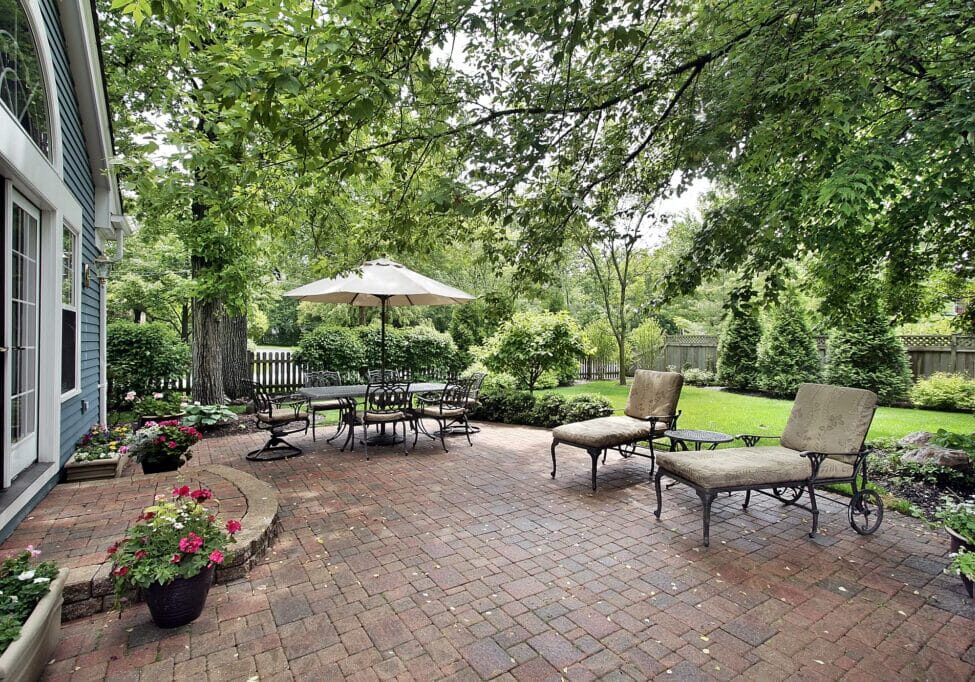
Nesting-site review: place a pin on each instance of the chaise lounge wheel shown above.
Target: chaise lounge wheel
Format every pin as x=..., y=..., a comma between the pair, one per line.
x=787, y=495
x=866, y=511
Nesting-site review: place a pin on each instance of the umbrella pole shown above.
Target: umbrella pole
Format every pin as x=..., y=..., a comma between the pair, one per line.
x=382, y=342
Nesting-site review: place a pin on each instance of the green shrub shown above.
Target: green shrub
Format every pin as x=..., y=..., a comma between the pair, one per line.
x=865, y=353
x=338, y=349
x=738, y=348
x=529, y=344
x=508, y=406
x=421, y=349
x=787, y=355
x=942, y=390
x=647, y=343
x=698, y=377
x=583, y=406
x=549, y=410
x=143, y=357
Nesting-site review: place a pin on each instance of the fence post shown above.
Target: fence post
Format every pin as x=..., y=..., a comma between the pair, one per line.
x=953, y=357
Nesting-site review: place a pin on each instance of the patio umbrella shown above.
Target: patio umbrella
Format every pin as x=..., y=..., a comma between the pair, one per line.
x=381, y=283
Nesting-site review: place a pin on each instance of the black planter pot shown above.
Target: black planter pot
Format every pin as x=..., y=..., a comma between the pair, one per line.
x=179, y=602
x=160, y=467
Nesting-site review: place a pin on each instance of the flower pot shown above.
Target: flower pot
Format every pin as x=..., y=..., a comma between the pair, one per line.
x=25, y=658
x=165, y=465
x=93, y=469
x=957, y=542
x=181, y=601
x=145, y=419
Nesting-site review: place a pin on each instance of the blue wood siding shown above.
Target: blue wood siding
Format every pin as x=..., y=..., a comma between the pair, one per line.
x=75, y=420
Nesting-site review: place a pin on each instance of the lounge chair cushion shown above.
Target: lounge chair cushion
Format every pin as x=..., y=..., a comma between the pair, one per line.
x=606, y=432
x=760, y=465
x=653, y=394
x=829, y=419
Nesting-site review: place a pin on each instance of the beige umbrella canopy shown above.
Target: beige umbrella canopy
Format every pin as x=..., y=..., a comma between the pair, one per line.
x=381, y=283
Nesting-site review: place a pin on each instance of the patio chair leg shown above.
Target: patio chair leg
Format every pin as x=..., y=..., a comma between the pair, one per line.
x=814, y=509
x=442, y=423
x=416, y=431
x=467, y=431
x=706, y=500
x=748, y=497
x=594, y=453
x=554, y=443
x=350, y=438
x=656, y=485
x=605, y=452
x=314, y=420
x=406, y=450
x=342, y=417
x=365, y=439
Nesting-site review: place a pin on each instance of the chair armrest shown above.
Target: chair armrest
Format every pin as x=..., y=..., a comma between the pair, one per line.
x=295, y=401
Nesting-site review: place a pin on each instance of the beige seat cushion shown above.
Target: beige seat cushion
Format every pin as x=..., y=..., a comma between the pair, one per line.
x=747, y=466
x=833, y=420
x=281, y=415
x=606, y=432
x=380, y=417
x=438, y=411
x=653, y=394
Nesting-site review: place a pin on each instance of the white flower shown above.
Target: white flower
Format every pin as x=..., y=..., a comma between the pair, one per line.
x=177, y=525
x=157, y=396
x=13, y=598
x=41, y=580
x=26, y=575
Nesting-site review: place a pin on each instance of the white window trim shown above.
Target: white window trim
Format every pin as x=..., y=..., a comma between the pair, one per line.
x=76, y=391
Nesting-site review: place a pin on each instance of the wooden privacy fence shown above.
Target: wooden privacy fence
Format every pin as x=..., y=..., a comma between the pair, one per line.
x=929, y=353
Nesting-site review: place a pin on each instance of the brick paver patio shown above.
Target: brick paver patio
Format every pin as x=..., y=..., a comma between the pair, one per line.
x=476, y=564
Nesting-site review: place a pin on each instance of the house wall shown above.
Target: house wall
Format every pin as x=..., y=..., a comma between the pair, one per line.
x=80, y=412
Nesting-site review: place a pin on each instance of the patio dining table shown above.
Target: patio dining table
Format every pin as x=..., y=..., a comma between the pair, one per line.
x=359, y=391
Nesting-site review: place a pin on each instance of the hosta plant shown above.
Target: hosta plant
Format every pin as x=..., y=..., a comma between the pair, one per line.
x=174, y=538
x=204, y=416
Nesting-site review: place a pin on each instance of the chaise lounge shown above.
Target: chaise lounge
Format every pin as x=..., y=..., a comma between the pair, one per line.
x=651, y=409
x=822, y=444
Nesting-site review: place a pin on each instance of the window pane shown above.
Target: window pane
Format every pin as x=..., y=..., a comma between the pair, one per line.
x=68, y=270
x=69, y=347
x=21, y=80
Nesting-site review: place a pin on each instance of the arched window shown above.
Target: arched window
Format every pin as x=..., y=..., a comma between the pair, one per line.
x=21, y=79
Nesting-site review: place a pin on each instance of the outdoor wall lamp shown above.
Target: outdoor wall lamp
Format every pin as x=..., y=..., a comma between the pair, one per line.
x=102, y=266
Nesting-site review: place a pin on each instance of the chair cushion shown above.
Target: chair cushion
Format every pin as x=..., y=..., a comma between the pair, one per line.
x=281, y=415
x=653, y=394
x=439, y=411
x=333, y=404
x=747, y=466
x=380, y=417
x=833, y=420
x=605, y=432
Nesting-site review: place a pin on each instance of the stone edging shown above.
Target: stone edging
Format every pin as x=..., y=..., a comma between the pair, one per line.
x=89, y=589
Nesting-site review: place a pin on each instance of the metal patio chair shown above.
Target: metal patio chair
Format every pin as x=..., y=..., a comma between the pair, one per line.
x=324, y=378
x=280, y=416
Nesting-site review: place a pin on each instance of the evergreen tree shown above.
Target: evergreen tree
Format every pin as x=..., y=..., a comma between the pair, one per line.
x=865, y=353
x=738, y=347
x=787, y=355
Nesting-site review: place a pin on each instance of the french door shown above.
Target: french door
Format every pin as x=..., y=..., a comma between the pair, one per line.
x=21, y=285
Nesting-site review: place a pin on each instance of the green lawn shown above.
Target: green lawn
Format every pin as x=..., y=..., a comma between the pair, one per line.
x=733, y=413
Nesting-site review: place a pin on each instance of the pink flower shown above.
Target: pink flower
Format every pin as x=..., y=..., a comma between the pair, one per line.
x=176, y=559
x=171, y=445
x=233, y=526
x=141, y=554
x=191, y=543
x=216, y=556
x=130, y=396
x=157, y=395
x=124, y=449
x=114, y=548
x=34, y=552
x=181, y=491
x=121, y=571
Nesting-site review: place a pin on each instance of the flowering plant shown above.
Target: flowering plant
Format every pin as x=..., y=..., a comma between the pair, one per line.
x=959, y=516
x=172, y=539
x=158, y=404
x=163, y=442
x=102, y=442
x=962, y=563
x=21, y=587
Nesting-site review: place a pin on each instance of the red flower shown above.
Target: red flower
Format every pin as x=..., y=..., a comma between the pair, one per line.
x=141, y=554
x=233, y=526
x=113, y=549
x=216, y=556
x=171, y=445
x=182, y=491
x=201, y=494
x=176, y=558
x=121, y=571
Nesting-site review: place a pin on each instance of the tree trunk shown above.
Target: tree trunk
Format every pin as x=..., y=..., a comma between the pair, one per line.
x=184, y=323
x=621, y=342
x=235, y=365
x=207, y=347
